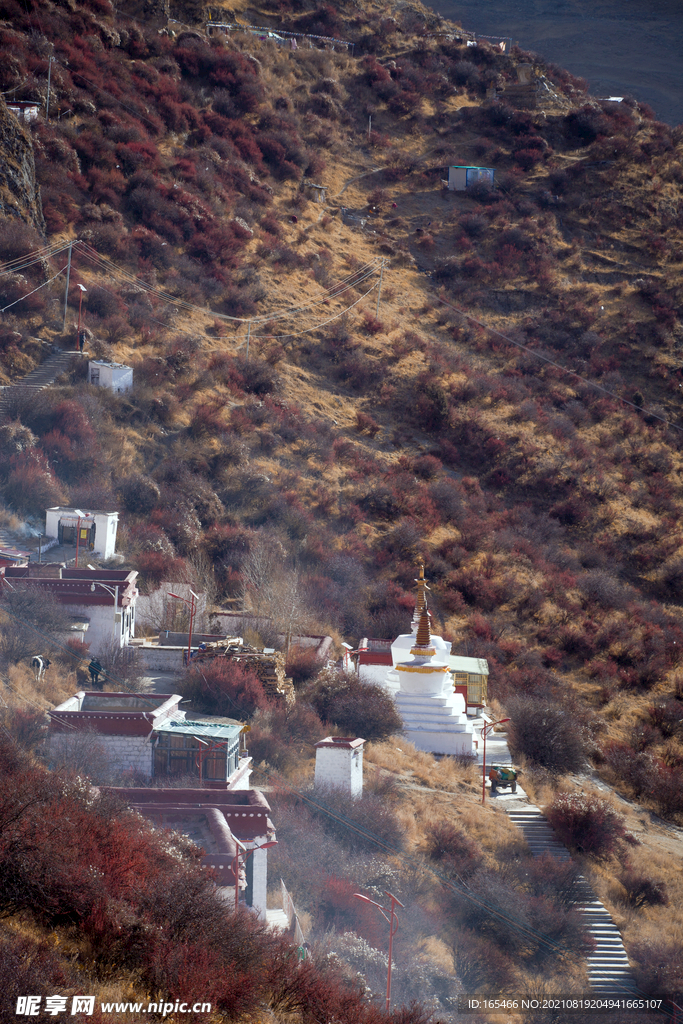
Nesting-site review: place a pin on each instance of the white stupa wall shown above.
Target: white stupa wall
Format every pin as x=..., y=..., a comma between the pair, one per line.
x=434, y=717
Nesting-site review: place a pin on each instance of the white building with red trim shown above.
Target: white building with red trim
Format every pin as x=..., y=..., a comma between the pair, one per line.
x=102, y=600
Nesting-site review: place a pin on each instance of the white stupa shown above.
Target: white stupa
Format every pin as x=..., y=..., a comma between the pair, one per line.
x=404, y=643
x=434, y=717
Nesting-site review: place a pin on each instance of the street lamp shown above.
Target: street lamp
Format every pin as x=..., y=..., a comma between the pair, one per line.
x=193, y=607
x=114, y=591
x=80, y=515
x=393, y=925
x=484, y=733
x=80, y=305
x=247, y=853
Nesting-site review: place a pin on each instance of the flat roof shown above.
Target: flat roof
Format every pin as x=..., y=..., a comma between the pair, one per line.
x=86, y=511
x=457, y=663
x=114, y=366
x=121, y=702
x=217, y=730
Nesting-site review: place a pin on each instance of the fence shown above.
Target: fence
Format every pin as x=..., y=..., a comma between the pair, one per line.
x=288, y=907
x=269, y=33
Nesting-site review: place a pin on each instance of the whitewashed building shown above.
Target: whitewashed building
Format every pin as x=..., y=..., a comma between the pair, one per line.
x=115, y=376
x=460, y=178
x=234, y=829
x=101, y=601
x=339, y=764
x=438, y=695
x=95, y=531
x=149, y=734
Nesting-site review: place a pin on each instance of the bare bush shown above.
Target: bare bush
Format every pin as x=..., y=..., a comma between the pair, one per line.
x=542, y=731
x=364, y=823
x=587, y=824
x=360, y=709
x=33, y=622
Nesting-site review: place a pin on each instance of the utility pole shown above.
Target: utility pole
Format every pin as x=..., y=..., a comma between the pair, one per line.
x=47, y=101
x=66, y=291
x=379, y=290
x=369, y=126
x=248, y=334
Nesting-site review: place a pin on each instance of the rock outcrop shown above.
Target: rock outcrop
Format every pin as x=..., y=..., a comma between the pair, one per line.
x=19, y=194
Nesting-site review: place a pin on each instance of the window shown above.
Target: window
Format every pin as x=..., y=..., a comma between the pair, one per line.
x=179, y=755
x=477, y=689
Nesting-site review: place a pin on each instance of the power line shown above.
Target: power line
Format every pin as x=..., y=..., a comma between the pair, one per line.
x=9, y=306
x=461, y=889
x=559, y=366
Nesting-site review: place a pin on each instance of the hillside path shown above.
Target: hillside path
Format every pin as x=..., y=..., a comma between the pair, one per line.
x=608, y=965
x=34, y=382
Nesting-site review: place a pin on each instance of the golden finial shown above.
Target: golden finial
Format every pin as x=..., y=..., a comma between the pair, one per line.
x=421, y=603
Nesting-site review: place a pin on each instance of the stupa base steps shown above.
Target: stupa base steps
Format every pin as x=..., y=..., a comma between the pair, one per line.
x=440, y=741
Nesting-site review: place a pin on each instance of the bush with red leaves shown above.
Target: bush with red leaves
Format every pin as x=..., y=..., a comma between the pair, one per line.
x=587, y=824
x=29, y=967
x=31, y=485
x=220, y=686
x=302, y=664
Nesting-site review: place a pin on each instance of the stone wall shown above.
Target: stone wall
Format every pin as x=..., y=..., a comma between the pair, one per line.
x=124, y=753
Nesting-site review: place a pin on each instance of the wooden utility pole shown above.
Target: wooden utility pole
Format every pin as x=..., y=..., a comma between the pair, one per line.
x=47, y=100
x=66, y=290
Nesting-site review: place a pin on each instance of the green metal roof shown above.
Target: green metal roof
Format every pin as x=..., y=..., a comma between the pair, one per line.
x=215, y=731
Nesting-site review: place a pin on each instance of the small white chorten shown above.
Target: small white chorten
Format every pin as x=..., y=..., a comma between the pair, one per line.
x=339, y=764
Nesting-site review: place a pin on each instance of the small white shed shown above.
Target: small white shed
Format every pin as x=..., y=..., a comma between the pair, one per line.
x=97, y=530
x=115, y=376
x=460, y=178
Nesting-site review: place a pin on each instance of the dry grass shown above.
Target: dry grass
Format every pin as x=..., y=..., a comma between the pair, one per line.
x=24, y=691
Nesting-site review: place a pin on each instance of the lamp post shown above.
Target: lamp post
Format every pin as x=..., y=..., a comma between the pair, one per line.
x=484, y=733
x=192, y=603
x=393, y=925
x=247, y=853
x=80, y=305
x=80, y=515
x=114, y=591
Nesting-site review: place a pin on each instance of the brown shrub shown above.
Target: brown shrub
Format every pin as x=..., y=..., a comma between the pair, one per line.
x=587, y=824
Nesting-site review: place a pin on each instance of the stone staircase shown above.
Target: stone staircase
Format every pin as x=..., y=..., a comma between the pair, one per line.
x=26, y=389
x=609, y=970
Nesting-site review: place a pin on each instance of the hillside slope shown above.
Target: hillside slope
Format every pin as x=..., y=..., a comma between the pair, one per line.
x=439, y=421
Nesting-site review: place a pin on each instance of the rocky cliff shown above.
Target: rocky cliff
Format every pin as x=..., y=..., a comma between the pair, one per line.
x=19, y=195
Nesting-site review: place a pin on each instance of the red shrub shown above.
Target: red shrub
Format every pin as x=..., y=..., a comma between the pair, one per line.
x=366, y=425
x=587, y=824
x=31, y=485
x=302, y=664
x=221, y=686
x=452, y=848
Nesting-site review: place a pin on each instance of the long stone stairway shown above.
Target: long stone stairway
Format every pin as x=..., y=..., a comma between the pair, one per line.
x=608, y=965
x=29, y=386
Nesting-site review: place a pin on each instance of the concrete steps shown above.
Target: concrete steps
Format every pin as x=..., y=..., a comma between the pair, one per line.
x=608, y=965
x=28, y=388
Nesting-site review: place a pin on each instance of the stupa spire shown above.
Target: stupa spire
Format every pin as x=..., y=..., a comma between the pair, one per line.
x=424, y=633
x=421, y=599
